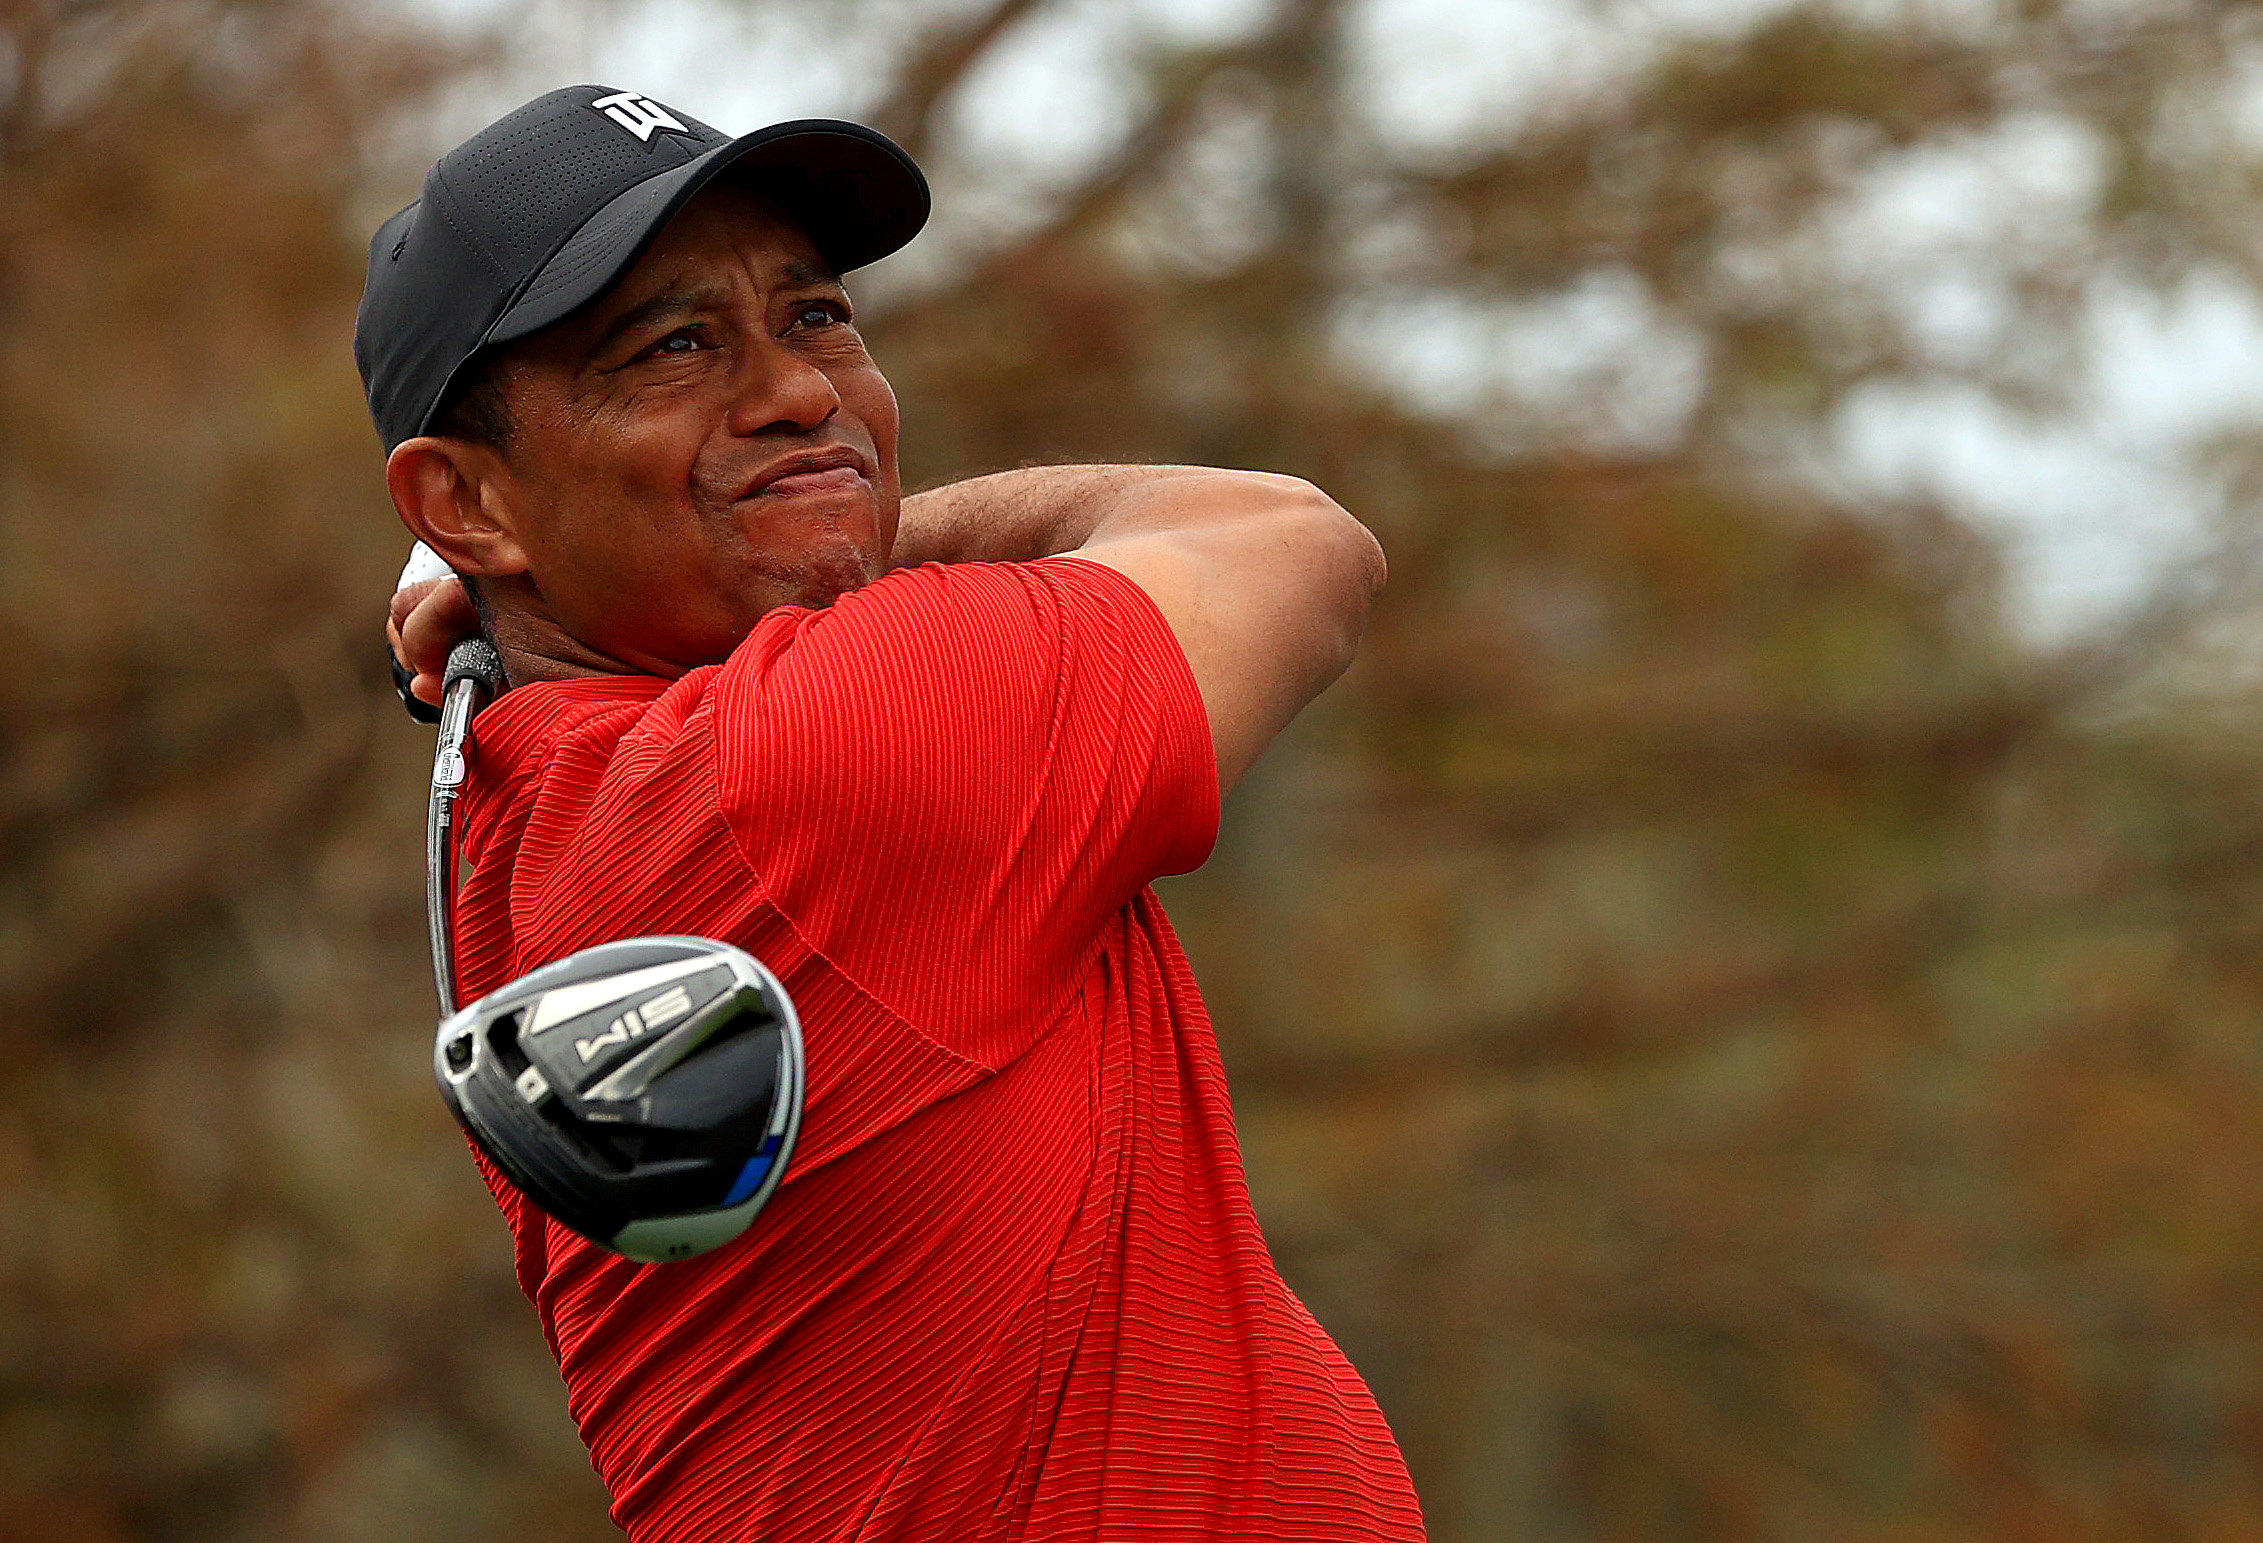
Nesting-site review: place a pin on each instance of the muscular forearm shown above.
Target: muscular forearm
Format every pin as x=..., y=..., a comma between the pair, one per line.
x=1038, y=511
x=1258, y=525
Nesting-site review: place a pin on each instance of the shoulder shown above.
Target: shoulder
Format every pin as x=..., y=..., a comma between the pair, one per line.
x=527, y=722
x=935, y=623
x=535, y=734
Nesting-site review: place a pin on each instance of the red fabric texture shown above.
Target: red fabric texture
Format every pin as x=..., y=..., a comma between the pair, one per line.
x=1011, y=1286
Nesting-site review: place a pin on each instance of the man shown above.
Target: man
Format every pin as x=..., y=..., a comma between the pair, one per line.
x=922, y=757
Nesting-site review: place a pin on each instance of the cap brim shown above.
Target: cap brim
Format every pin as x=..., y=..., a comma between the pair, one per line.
x=857, y=195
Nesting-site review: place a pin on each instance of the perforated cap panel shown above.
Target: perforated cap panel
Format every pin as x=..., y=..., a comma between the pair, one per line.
x=525, y=183
x=855, y=193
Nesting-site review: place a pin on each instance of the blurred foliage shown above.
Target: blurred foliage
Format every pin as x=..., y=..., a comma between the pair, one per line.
x=1737, y=1041
x=248, y=1287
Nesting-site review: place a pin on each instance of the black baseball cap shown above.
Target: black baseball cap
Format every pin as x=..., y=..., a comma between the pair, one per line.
x=543, y=210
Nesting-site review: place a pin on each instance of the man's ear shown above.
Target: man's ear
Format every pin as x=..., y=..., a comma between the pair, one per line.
x=443, y=491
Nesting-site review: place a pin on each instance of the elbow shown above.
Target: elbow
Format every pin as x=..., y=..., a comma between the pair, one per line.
x=1312, y=529
x=1334, y=536
x=1345, y=561
x=1319, y=523
x=1364, y=554
x=1364, y=574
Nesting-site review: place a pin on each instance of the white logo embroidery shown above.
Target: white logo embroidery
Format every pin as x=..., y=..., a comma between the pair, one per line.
x=640, y=115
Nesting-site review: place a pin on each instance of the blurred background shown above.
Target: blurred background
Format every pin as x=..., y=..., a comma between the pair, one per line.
x=1743, y=1006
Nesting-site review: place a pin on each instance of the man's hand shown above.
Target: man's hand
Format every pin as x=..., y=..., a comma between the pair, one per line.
x=424, y=622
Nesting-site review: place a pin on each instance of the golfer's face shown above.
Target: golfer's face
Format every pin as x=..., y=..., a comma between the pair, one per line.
x=705, y=442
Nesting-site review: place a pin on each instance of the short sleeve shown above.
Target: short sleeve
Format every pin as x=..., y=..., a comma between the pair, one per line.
x=951, y=780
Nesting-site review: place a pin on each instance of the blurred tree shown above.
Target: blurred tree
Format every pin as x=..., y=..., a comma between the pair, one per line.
x=1738, y=1042
x=248, y=1287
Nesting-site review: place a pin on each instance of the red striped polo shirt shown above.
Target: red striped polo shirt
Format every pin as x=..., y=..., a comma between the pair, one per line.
x=1012, y=1286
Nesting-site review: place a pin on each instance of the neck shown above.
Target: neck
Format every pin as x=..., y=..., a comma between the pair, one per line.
x=534, y=648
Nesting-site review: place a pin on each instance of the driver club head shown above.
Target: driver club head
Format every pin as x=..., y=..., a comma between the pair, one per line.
x=646, y=1093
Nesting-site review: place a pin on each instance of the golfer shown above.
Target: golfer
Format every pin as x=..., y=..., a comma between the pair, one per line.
x=920, y=756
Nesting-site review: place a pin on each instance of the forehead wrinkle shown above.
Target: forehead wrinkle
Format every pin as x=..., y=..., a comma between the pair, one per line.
x=767, y=268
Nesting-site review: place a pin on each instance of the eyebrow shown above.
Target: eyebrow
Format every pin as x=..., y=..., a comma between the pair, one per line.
x=665, y=306
x=670, y=304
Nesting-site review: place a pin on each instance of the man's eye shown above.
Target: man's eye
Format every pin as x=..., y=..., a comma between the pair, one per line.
x=676, y=345
x=819, y=314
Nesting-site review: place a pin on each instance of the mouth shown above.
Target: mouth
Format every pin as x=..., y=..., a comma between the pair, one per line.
x=807, y=473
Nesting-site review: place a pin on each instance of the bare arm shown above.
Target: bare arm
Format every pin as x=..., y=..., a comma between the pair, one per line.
x=1015, y=516
x=1264, y=580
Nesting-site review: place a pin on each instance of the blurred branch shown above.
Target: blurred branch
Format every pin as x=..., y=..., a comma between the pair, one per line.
x=941, y=61
x=83, y=902
x=28, y=30
x=1164, y=132
x=1600, y=1026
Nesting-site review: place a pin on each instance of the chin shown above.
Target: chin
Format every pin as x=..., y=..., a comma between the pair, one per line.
x=821, y=578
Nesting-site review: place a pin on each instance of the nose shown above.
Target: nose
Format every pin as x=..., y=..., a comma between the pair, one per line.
x=780, y=392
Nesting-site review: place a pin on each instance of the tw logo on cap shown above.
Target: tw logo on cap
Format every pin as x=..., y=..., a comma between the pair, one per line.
x=640, y=115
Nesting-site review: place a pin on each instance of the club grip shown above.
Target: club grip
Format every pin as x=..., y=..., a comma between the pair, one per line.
x=475, y=659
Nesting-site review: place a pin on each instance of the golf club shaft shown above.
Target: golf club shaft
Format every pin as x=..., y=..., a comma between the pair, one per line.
x=474, y=672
